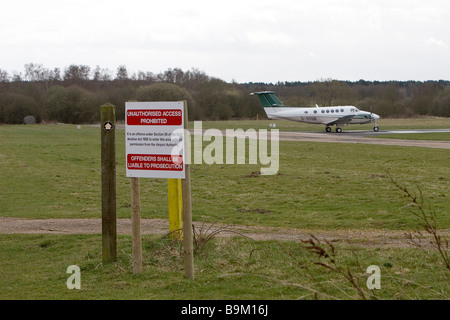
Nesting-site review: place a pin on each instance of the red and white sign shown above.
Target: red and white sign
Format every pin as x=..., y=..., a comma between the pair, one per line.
x=154, y=162
x=163, y=117
x=154, y=139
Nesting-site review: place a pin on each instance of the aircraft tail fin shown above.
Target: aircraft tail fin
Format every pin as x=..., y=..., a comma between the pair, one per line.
x=268, y=99
x=270, y=103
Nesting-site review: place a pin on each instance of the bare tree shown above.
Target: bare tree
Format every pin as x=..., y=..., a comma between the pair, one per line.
x=76, y=73
x=4, y=77
x=36, y=72
x=101, y=74
x=122, y=73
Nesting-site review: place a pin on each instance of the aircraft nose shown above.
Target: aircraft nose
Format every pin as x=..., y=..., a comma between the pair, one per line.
x=375, y=116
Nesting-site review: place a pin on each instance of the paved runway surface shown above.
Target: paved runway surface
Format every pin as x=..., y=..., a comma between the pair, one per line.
x=361, y=136
x=404, y=131
x=368, y=137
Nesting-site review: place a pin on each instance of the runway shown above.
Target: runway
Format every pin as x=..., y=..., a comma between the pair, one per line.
x=381, y=132
x=368, y=137
x=354, y=136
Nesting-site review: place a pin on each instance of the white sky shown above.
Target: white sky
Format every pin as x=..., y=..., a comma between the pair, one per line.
x=245, y=40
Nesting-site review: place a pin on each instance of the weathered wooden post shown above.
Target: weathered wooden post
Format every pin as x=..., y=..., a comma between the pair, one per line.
x=108, y=163
x=136, y=239
x=187, y=210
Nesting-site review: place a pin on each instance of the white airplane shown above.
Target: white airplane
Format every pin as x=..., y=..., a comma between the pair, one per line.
x=328, y=116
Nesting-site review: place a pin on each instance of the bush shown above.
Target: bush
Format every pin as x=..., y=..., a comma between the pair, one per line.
x=70, y=105
x=14, y=107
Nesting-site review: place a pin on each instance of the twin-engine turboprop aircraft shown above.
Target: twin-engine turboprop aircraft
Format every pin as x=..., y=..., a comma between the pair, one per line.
x=328, y=116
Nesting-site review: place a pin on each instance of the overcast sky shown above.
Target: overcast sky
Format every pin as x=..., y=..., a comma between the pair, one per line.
x=244, y=40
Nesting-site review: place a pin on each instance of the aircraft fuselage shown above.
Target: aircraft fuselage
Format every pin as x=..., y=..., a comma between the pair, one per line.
x=321, y=115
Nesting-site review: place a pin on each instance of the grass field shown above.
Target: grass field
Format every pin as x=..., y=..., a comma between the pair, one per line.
x=34, y=267
x=53, y=171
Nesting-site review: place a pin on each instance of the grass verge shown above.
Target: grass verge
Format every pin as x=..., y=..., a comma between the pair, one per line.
x=34, y=267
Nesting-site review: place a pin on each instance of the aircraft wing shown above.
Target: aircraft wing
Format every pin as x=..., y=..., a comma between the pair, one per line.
x=340, y=120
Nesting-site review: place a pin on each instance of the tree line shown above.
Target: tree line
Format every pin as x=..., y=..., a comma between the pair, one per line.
x=74, y=95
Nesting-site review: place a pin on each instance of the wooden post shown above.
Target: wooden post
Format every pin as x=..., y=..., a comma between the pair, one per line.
x=136, y=239
x=175, y=208
x=187, y=210
x=136, y=225
x=108, y=163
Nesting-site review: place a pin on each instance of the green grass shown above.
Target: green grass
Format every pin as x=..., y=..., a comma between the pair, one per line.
x=34, y=267
x=53, y=171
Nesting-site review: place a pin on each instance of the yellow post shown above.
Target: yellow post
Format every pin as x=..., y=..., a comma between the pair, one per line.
x=175, y=209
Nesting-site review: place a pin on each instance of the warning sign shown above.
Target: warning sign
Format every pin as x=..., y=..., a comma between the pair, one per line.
x=155, y=117
x=154, y=162
x=154, y=139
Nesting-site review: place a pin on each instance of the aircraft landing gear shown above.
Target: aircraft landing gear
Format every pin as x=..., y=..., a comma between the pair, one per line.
x=376, y=128
x=338, y=129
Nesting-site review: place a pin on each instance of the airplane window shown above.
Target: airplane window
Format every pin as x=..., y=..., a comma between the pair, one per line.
x=342, y=110
x=306, y=111
x=337, y=110
x=328, y=111
x=315, y=111
x=332, y=111
x=356, y=110
x=323, y=111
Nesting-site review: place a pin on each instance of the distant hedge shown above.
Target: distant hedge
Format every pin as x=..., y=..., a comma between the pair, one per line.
x=76, y=95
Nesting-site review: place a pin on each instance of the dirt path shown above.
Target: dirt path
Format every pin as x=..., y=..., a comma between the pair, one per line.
x=365, y=238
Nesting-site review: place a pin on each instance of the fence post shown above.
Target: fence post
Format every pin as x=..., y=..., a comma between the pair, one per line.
x=136, y=225
x=187, y=210
x=108, y=164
